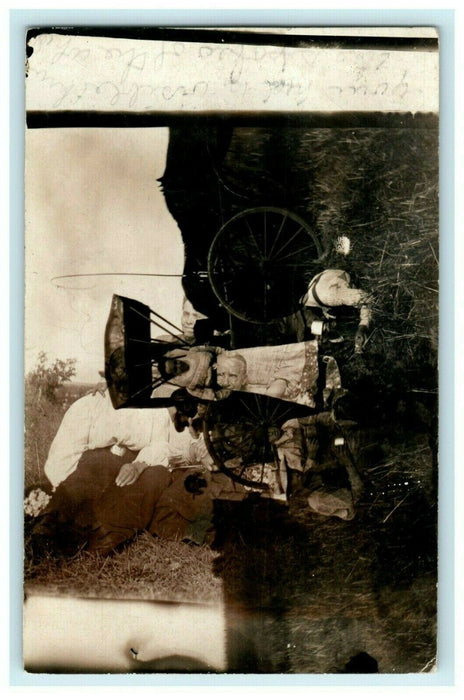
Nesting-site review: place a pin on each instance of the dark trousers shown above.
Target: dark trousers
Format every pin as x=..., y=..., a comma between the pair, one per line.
x=90, y=504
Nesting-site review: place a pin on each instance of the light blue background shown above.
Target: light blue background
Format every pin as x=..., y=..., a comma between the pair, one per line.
x=20, y=21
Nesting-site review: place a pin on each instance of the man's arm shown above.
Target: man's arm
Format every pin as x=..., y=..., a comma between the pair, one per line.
x=156, y=451
x=71, y=440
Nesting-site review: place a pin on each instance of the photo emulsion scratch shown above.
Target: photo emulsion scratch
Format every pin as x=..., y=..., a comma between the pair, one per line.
x=231, y=351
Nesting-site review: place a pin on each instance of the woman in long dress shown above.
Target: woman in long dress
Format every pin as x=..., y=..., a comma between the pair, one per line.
x=289, y=372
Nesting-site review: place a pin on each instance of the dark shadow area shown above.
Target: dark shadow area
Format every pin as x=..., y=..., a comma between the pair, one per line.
x=306, y=593
x=166, y=664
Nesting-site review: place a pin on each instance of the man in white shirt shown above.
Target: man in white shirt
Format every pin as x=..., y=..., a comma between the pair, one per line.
x=115, y=472
x=327, y=292
x=92, y=423
x=331, y=289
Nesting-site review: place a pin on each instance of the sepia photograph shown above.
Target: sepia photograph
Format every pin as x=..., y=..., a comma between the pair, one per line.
x=231, y=350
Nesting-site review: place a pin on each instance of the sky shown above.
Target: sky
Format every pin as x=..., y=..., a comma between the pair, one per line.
x=93, y=205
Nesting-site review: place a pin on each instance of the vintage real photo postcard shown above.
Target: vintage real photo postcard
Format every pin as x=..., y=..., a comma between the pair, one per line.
x=231, y=343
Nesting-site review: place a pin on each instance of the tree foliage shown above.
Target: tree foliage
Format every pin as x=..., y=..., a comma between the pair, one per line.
x=44, y=380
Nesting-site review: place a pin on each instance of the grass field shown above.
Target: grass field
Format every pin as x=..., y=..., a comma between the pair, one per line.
x=304, y=593
x=42, y=419
x=146, y=569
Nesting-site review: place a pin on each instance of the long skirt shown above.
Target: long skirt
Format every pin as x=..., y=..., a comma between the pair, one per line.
x=89, y=509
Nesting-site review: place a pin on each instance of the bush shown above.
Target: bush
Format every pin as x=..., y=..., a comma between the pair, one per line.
x=45, y=379
x=43, y=412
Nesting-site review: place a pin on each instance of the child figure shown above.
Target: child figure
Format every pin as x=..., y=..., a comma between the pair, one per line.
x=289, y=372
x=328, y=290
x=320, y=466
x=332, y=288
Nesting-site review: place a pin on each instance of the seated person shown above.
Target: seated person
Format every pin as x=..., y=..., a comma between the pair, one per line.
x=196, y=328
x=328, y=291
x=288, y=371
x=231, y=371
x=331, y=289
x=115, y=472
x=189, y=318
x=320, y=465
x=231, y=375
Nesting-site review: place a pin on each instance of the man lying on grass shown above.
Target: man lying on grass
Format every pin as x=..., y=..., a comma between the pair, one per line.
x=114, y=473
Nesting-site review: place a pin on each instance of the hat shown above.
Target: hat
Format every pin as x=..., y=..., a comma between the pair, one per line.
x=338, y=503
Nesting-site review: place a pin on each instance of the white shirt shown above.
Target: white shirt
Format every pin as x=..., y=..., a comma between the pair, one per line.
x=92, y=422
x=332, y=288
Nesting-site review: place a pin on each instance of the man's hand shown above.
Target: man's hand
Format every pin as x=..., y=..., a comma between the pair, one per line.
x=129, y=473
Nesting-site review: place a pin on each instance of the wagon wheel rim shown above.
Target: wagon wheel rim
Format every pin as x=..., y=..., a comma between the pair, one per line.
x=260, y=262
x=256, y=416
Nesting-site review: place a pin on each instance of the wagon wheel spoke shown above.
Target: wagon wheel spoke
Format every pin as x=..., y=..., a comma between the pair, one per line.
x=238, y=433
x=252, y=237
x=259, y=263
x=294, y=253
x=277, y=237
x=288, y=242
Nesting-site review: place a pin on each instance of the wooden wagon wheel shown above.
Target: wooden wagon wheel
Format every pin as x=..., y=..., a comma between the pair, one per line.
x=260, y=262
x=240, y=433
